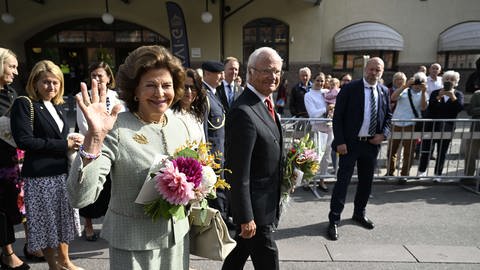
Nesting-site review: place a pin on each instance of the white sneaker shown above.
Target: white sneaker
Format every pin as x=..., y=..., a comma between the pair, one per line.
x=422, y=174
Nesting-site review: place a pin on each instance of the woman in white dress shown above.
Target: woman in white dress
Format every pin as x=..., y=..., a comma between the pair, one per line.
x=192, y=107
x=323, y=134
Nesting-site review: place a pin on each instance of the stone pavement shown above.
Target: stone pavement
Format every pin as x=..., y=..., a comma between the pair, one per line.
x=420, y=225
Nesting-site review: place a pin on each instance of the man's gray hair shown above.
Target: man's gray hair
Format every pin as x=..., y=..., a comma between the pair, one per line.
x=259, y=54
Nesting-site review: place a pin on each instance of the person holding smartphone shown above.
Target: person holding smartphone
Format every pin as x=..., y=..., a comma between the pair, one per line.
x=444, y=103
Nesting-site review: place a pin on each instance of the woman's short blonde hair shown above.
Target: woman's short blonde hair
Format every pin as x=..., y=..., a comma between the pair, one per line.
x=40, y=68
x=4, y=54
x=399, y=75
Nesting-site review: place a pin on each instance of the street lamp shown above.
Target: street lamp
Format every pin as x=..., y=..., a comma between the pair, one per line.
x=107, y=17
x=7, y=17
x=206, y=15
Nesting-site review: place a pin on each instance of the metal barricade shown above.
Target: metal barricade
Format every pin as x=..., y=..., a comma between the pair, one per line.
x=460, y=145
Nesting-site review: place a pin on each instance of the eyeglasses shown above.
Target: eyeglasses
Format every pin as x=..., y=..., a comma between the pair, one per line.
x=267, y=71
x=191, y=87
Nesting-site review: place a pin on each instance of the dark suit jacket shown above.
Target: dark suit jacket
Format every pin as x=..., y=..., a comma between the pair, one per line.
x=7, y=96
x=349, y=108
x=439, y=109
x=45, y=146
x=237, y=91
x=254, y=151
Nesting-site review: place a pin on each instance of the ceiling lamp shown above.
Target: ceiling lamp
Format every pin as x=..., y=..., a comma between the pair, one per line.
x=206, y=16
x=7, y=17
x=107, y=17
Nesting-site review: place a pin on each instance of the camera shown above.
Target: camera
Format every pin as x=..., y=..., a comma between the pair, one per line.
x=417, y=82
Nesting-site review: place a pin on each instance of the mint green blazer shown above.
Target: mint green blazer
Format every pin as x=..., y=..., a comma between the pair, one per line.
x=128, y=159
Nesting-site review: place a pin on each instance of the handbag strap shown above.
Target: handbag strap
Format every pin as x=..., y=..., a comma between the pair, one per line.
x=411, y=103
x=31, y=109
x=7, y=111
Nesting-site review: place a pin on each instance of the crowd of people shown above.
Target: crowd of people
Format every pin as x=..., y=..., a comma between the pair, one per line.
x=153, y=105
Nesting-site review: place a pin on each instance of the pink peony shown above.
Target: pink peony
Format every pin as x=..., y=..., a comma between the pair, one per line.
x=173, y=185
x=191, y=168
x=310, y=154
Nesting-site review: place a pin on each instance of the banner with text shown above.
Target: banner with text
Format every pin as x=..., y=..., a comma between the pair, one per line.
x=178, y=33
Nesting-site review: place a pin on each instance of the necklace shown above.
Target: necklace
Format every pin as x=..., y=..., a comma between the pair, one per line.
x=163, y=122
x=164, y=142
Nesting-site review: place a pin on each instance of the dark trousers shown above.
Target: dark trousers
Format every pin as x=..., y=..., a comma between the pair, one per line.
x=364, y=155
x=261, y=248
x=442, y=148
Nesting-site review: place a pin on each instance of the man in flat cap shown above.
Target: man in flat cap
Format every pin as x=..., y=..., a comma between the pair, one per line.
x=215, y=127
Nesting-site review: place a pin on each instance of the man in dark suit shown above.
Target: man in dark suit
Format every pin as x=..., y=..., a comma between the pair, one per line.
x=254, y=148
x=228, y=91
x=361, y=122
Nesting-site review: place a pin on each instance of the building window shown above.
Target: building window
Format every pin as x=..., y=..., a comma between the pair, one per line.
x=81, y=42
x=266, y=32
x=343, y=61
x=458, y=60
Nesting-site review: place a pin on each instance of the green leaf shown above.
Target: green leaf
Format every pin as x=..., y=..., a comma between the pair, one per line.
x=187, y=153
x=177, y=211
x=203, y=215
x=204, y=204
x=158, y=208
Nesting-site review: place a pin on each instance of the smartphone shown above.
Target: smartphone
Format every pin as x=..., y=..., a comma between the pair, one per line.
x=448, y=86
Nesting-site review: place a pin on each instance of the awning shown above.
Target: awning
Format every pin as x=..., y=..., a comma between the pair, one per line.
x=461, y=37
x=368, y=36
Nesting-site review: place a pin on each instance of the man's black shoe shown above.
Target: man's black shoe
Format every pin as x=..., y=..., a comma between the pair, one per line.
x=332, y=231
x=364, y=222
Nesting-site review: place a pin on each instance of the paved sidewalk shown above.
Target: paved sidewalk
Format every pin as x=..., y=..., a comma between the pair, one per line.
x=418, y=226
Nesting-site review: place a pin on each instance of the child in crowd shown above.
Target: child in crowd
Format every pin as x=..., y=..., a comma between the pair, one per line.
x=331, y=95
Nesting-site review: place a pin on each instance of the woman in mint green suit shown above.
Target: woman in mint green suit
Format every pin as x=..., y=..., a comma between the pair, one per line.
x=125, y=145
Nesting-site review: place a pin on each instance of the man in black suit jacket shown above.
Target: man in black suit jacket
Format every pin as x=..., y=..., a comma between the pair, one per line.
x=228, y=91
x=254, y=149
x=358, y=134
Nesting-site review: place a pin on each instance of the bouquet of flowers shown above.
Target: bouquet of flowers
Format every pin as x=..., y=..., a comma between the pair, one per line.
x=173, y=183
x=301, y=164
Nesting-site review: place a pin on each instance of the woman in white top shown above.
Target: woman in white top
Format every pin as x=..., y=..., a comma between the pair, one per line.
x=102, y=73
x=323, y=134
x=192, y=107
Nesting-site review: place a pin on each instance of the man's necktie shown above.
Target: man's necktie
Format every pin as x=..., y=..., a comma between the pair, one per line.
x=373, y=114
x=269, y=104
x=230, y=94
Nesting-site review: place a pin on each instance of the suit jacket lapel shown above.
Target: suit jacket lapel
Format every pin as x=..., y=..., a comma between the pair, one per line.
x=362, y=97
x=261, y=110
x=45, y=114
x=222, y=95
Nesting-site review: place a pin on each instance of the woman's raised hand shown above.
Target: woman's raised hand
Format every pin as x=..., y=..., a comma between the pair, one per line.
x=94, y=108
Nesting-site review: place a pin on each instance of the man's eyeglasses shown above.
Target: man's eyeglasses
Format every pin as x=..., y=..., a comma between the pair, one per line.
x=266, y=72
